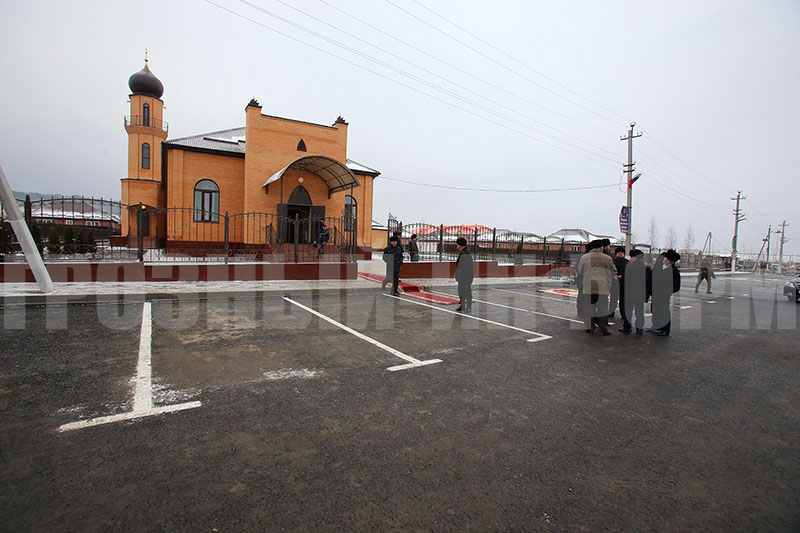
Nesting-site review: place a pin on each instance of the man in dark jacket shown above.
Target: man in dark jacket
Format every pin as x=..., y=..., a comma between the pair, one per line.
x=393, y=257
x=579, y=281
x=413, y=249
x=637, y=282
x=464, y=275
x=617, y=289
x=666, y=281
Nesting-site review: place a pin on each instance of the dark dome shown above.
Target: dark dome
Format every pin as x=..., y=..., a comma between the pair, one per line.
x=145, y=82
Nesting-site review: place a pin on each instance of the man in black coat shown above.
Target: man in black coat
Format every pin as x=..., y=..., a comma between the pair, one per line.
x=637, y=282
x=579, y=280
x=617, y=289
x=464, y=275
x=393, y=257
x=666, y=281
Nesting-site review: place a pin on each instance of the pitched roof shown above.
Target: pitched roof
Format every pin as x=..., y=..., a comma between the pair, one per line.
x=233, y=140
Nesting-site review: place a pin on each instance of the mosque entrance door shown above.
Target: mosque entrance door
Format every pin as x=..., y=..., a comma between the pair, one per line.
x=300, y=217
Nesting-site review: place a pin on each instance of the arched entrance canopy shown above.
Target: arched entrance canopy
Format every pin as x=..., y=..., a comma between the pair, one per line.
x=335, y=175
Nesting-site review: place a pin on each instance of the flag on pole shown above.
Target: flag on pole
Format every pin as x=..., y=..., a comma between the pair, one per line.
x=634, y=178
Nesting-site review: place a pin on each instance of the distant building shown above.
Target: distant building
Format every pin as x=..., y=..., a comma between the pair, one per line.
x=78, y=212
x=270, y=171
x=576, y=239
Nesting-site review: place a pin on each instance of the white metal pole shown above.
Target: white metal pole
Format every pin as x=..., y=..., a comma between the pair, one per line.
x=32, y=255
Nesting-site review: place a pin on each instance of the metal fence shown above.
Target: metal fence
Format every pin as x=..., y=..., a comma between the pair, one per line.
x=81, y=228
x=438, y=243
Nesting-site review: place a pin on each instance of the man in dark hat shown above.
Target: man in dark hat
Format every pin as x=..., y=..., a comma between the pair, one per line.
x=464, y=275
x=579, y=281
x=637, y=283
x=617, y=290
x=393, y=257
x=597, y=270
x=413, y=249
x=666, y=281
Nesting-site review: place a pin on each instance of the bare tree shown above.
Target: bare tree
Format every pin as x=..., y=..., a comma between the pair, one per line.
x=688, y=242
x=671, y=237
x=652, y=233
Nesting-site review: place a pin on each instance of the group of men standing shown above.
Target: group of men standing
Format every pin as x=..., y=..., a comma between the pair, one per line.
x=603, y=282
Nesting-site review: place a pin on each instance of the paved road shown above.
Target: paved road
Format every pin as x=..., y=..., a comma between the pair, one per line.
x=291, y=421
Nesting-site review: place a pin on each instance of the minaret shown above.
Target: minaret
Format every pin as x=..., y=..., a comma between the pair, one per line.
x=146, y=130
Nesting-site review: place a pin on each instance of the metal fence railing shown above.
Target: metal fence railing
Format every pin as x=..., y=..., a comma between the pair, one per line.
x=80, y=228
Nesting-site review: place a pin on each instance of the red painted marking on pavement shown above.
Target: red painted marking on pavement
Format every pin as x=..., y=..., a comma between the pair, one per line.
x=572, y=293
x=412, y=291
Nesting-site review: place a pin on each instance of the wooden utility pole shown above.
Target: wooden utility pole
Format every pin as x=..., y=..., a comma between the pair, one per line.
x=629, y=170
x=738, y=217
x=782, y=233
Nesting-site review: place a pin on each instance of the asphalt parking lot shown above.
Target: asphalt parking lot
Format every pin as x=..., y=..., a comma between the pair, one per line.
x=360, y=411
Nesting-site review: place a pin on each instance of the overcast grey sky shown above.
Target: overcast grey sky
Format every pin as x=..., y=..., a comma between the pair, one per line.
x=537, y=99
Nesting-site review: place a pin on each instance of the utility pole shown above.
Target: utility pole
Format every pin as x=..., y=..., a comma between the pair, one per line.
x=739, y=217
x=769, y=239
x=629, y=170
x=782, y=233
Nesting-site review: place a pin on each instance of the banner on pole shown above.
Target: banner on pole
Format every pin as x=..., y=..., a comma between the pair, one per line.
x=624, y=219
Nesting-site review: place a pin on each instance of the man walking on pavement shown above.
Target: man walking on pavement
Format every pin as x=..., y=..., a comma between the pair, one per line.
x=617, y=289
x=706, y=273
x=464, y=276
x=666, y=281
x=597, y=270
x=637, y=283
x=393, y=257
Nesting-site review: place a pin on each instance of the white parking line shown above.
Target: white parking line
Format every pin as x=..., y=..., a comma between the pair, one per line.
x=517, y=308
x=143, y=397
x=412, y=363
x=568, y=301
x=540, y=336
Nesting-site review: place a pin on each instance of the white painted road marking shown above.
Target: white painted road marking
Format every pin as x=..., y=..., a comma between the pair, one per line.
x=517, y=309
x=143, y=397
x=540, y=336
x=412, y=363
x=568, y=301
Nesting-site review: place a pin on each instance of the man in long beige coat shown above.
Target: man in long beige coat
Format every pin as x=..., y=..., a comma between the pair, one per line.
x=597, y=270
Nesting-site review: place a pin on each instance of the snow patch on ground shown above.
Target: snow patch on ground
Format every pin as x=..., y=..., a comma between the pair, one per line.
x=304, y=373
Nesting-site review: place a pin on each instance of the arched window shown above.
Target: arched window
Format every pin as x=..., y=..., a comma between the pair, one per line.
x=145, y=155
x=301, y=146
x=349, y=213
x=146, y=115
x=299, y=196
x=206, y=201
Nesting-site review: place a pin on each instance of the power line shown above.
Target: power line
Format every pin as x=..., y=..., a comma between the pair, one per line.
x=362, y=67
x=682, y=162
x=551, y=80
x=471, y=75
x=479, y=95
x=420, y=80
x=500, y=64
x=476, y=189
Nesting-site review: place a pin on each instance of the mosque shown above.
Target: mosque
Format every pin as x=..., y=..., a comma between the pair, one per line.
x=264, y=176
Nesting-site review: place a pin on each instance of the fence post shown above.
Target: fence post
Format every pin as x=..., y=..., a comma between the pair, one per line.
x=139, y=231
x=494, y=244
x=296, y=234
x=544, y=251
x=441, y=241
x=226, y=237
x=28, y=209
x=475, y=244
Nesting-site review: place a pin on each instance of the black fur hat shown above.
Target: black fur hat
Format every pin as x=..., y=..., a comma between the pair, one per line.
x=673, y=256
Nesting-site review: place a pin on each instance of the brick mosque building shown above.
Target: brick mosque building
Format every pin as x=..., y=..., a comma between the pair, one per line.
x=265, y=175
